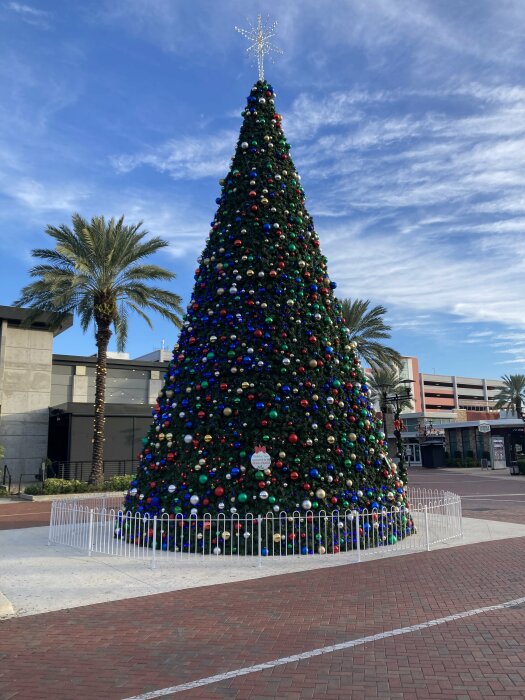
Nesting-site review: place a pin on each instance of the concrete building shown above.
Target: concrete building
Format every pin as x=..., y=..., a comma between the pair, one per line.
x=500, y=441
x=439, y=400
x=26, y=370
x=447, y=393
x=46, y=400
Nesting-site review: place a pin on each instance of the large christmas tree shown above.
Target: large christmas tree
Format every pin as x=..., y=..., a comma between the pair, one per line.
x=265, y=406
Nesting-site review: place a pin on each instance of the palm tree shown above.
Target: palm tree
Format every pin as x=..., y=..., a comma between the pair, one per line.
x=96, y=270
x=367, y=327
x=512, y=396
x=384, y=381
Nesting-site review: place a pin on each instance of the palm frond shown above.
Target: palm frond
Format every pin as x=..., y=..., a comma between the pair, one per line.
x=96, y=269
x=366, y=326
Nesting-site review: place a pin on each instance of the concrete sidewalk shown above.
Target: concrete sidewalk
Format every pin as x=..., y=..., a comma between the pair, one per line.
x=36, y=578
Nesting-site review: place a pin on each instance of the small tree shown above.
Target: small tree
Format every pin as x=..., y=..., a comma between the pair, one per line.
x=96, y=270
x=368, y=328
x=511, y=397
x=383, y=382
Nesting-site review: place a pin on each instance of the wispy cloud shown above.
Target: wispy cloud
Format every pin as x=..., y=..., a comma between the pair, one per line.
x=183, y=158
x=30, y=14
x=43, y=197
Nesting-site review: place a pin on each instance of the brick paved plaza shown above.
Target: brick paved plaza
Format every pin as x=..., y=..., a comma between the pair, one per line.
x=127, y=648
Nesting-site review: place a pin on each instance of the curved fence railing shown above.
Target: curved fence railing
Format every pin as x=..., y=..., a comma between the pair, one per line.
x=99, y=525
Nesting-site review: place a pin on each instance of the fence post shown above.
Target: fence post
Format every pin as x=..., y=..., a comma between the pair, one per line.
x=427, y=537
x=90, y=532
x=51, y=523
x=357, y=537
x=259, y=539
x=154, y=555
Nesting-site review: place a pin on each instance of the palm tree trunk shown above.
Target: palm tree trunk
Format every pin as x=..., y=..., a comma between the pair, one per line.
x=102, y=336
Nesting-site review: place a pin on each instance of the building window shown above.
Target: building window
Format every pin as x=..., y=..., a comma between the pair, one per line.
x=447, y=384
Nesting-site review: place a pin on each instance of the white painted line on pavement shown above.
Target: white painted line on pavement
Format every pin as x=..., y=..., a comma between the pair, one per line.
x=480, y=496
x=499, y=500
x=322, y=650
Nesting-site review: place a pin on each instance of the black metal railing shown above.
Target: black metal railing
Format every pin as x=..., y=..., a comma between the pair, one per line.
x=6, y=479
x=80, y=470
x=27, y=478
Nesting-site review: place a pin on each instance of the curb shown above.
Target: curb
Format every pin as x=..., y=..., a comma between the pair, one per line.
x=6, y=609
x=68, y=496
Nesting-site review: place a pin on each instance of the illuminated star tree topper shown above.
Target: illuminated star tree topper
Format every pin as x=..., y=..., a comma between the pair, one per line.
x=259, y=36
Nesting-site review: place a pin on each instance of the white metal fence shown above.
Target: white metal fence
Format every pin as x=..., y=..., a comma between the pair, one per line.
x=101, y=526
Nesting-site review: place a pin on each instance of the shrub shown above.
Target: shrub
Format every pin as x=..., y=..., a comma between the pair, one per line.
x=118, y=483
x=57, y=486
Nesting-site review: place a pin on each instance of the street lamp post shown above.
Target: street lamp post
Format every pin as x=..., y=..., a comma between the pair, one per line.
x=396, y=400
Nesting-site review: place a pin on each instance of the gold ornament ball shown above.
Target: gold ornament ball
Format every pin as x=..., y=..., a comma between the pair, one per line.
x=320, y=493
x=277, y=537
x=226, y=535
x=352, y=437
x=313, y=364
x=227, y=411
x=208, y=438
x=331, y=439
x=321, y=549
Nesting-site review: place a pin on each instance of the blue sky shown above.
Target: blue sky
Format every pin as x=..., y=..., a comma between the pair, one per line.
x=407, y=125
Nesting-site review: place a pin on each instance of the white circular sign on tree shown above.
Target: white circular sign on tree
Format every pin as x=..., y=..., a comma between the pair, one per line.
x=260, y=460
